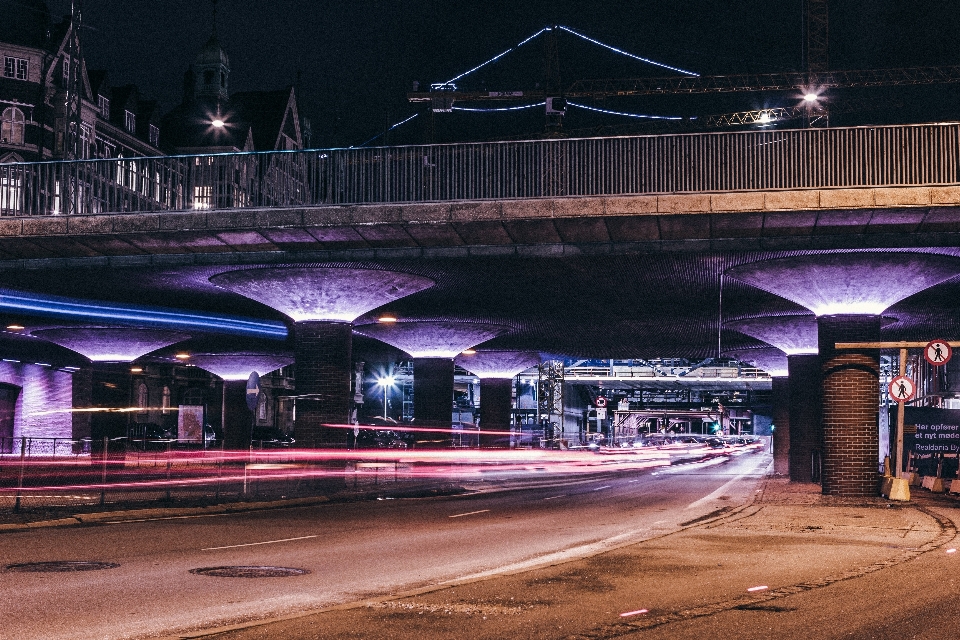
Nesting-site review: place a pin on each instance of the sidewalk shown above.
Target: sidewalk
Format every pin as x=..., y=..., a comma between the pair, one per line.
x=789, y=541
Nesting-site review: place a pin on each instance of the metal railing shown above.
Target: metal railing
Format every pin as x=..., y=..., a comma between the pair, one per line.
x=924, y=154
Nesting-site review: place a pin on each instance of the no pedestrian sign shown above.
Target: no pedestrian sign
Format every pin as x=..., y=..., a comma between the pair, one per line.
x=937, y=352
x=902, y=389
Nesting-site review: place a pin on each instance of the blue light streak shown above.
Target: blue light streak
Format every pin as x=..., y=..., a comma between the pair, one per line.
x=526, y=106
x=386, y=132
x=629, y=55
x=494, y=58
x=140, y=316
x=621, y=113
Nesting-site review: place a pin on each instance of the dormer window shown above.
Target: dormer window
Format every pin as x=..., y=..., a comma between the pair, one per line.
x=11, y=126
x=130, y=121
x=104, y=105
x=154, y=135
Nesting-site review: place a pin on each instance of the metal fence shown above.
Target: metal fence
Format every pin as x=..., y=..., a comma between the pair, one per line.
x=925, y=154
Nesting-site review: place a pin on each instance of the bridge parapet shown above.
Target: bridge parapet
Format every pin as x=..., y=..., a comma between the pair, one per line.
x=671, y=168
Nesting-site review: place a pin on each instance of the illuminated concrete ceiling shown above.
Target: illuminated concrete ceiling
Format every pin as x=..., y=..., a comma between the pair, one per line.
x=318, y=293
x=239, y=366
x=793, y=335
x=432, y=339
x=770, y=359
x=111, y=344
x=498, y=364
x=849, y=283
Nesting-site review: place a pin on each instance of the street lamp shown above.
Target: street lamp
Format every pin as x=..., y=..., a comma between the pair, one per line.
x=385, y=382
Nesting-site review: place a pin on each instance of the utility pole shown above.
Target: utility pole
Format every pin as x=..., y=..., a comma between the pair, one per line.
x=816, y=58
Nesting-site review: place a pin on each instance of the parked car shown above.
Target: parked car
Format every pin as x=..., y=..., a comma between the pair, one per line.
x=271, y=437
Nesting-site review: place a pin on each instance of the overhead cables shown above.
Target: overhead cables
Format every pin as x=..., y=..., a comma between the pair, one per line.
x=383, y=133
x=625, y=53
x=621, y=113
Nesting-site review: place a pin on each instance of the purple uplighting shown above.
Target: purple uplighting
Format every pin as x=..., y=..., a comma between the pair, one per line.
x=498, y=364
x=770, y=359
x=848, y=283
x=440, y=339
x=111, y=344
x=321, y=293
x=238, y=366
x=793, y=335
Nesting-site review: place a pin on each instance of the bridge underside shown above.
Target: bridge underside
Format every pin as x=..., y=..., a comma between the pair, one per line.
x=590, y=277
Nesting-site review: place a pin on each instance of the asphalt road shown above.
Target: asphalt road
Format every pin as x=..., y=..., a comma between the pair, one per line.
x=352, y=550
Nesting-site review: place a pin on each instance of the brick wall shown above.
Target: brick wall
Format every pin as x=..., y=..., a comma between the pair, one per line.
x=44, y=404
x=851, y=392
x=323, y=370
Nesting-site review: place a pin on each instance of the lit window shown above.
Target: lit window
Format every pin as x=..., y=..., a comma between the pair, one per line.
x=66, y=68
x=202, y=197
x=11, y=126
x=104, y=106
x=15, y=68
x=154, y=135
x=130, y=121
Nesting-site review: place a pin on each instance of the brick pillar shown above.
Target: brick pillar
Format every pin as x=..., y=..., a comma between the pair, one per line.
x=780, y=401
x=851, y=397
x=806, y=434
x=324, y=370
x=236, y=418
x=433, y=400
x=496, y=407
x=82, y=399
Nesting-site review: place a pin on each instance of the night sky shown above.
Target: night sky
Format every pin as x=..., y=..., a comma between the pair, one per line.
x=358, y=59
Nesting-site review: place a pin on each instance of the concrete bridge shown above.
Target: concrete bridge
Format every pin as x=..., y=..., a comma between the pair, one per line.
x=685, y=246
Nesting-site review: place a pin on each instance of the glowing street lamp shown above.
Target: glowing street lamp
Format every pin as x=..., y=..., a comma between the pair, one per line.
x=385, y=382
x=810, y=97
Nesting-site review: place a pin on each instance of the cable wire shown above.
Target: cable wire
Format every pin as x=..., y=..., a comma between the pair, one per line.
x=629, y=55
x=475, y=110
x=621, y=113
x=383, y=133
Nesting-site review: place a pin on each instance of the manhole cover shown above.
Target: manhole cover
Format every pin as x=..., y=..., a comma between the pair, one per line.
x=249, y=572
x=61, y=566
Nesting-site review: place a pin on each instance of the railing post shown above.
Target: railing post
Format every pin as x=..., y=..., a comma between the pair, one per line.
x=103, y=475
x=23, y=462
x=169, y=446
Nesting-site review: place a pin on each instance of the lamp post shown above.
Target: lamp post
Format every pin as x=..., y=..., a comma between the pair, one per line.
x=386, y=383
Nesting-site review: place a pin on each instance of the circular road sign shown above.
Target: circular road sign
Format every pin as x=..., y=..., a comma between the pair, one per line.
x=601, y=402
x=937, y=352
x=902, y=389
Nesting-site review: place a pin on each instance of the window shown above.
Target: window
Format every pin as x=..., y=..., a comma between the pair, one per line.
x=104, y=105
x=208, y=77
x=130, y=121
x=15, y=68
x=11, y=126
x=66, y=69
x=154, y=135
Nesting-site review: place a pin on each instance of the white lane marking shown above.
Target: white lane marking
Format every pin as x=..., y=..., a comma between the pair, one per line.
x=460, y=515
x=555, y=497
x=720, y=491
x=254, y=544
x=659, y=521
x=633, y=481
x=606, y=486
x=198, y=515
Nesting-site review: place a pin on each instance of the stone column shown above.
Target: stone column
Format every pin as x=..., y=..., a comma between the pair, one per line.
x=236, y=418
x=323, y=373
x=496, y=408
x=780, y=401
x=805, y=430
x=433, y=400
x=82, y=399
x=850, y=401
